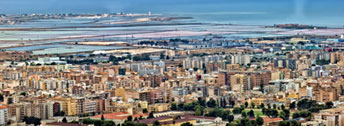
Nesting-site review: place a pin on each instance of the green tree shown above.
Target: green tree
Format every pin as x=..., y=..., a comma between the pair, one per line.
x=283, y=115
x=230, y=118
x=156, y=123
x=259, y=121
x=294, y=123
x=246, y=104
x=108, y=123
x=243, y=114
x=303, y=114
x=187, y=124
x=130, y=118
x=32, y=120
x=262, y=106
x=23, y=93
x=87, y=121
x=282, y=107
x=211, y=103
x=287, y=113
x=74, y=121
x=1, y=97
x=237, y=110
x=306, y=104
x=284, y=123
x=244, y=122
x=64, y=120
x=251, y=114
x=329, y=104
x=252, y=123
x=202, y=102
x=151, y=115
x=274, y=113
x=230, y=124
x=292, y=105
x=252, y=105
x=199, y=110
x=97, y=122
x=174, y=106
x=144, y=110
x=102, y=117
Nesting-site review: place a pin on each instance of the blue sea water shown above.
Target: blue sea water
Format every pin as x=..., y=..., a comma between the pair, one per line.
x=255, y=12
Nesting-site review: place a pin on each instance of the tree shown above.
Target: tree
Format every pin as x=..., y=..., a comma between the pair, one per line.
x=211, y=103
x=252, y=122
x=74, y=121
x=262, y=106
x=156, y=123
x=187, y=124
x=108, y=123
x=1, y=97
x=64, y=120
x=287, y=114
x=252, y=105
x=274, y=106
x=130, y=118
x=144, y=110
x=282, y=107
x=284, y=123
x=87, y=121
x=151, y=115
x=246, y=104
x=269, y=106
x=303, y=114
x=259, y=121
x=292, y=105
x=261, y=88
x=180, y=106
x=283, y=115
x=230, y=118
x=97, y=122
x=274, y=113
x=251, y=114
x=32, y=120
x=329, y=104
x=102, y=117
x=230, y=124
x=244, y=122
x=294, y=123
x=306, y=104
x=201, y=102
x=60, y=113
x=243, y=114
x=23, y=93
x=199, y=110
x=174, y=106
x=236, y=110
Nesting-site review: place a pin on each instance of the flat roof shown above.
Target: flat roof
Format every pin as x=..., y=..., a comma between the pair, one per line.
x=119, y=115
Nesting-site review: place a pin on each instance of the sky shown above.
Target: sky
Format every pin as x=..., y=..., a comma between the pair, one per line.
x=102, y=6
x=321, y=11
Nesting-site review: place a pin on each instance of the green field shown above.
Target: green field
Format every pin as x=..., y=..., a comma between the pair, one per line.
x=256, y=111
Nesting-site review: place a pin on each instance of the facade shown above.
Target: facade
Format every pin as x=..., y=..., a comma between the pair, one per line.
x=3, y=115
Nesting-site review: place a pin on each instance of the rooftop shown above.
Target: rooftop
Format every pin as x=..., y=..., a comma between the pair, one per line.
x=120, y=115
x=63, y=124
x=152, y=120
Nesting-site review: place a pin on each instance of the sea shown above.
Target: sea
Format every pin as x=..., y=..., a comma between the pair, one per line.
x=248, y=12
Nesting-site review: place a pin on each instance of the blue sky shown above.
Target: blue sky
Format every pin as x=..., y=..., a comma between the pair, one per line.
x=101, y=6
